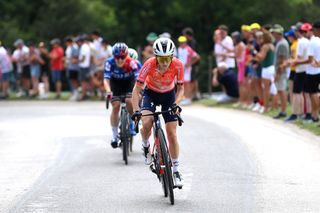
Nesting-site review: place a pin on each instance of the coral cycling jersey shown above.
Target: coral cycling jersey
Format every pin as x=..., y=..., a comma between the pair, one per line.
x=157, y=81
x=112, y=71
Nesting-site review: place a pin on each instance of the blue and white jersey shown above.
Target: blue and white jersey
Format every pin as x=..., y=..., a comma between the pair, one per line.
x=128, y=70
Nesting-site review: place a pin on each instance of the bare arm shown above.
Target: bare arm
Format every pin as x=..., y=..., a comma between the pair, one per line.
x=135, y=97
x=180, y=93
x=262, y=53
x=106, y=83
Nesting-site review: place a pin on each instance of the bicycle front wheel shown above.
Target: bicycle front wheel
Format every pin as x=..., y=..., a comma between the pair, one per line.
x=124, y=136
x=166, y=160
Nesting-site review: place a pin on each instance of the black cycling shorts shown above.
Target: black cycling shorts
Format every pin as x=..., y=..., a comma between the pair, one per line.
x=151, y=99
x=121, y=87
x=291, y=76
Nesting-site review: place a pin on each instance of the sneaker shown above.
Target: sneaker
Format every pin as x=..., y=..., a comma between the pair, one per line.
x=114, y=143
x=147, y=155
x=280, y=115
x=307, y=117
x=291, y=118
x=256, y=107
x=177, y=179
x=262, y=110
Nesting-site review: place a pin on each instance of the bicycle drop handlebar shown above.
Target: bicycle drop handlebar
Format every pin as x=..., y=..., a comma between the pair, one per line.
x=156, y=114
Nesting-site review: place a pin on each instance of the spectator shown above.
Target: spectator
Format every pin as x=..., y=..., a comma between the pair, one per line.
x=281, y=55
x=228, y=80
x=20, y=57
x=266, y=58
x=313, y=73
x=5, y=72
x=35, y=61
x=240, y=54
x=71, y=63
x=188, y=57
x=44, y=54
x=291, y=36
x=84, y=64
x=148, y=49
x=56, y=57
x=191, y=41
x=299, y=78
x=228, y=47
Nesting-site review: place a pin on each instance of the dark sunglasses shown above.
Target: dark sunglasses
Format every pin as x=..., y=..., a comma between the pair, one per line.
x=120, y=57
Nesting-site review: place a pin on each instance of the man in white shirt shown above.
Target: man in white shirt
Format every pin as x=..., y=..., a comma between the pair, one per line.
x=299, y=78
x=313, y=71
x=20, y=57
x=84, y=63
x=228, y=47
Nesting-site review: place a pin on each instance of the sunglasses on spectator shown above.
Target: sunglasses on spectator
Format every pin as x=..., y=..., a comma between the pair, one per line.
x=120, y=57
x=164, y=59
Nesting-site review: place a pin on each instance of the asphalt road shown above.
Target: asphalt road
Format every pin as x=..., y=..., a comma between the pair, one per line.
x=56, y=157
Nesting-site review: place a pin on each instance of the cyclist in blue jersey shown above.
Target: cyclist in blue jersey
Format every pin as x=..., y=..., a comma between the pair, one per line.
x=120, y=73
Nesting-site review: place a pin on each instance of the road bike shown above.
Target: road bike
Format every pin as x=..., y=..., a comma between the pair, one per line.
x=125, y=137
x=161, y=160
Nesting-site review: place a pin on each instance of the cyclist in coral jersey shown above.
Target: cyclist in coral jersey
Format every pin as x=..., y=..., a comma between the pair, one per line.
x=157, y=78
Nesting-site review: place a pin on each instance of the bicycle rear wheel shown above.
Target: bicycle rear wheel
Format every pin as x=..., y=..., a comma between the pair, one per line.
x=124, y=136
x=167, y=163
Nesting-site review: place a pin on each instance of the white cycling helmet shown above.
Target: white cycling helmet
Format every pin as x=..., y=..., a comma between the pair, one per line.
x=163, y=47
x=133, y=53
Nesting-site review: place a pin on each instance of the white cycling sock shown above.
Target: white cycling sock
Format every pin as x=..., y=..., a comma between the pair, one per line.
x=145, y=143
x=175, y=165
x=114, y=133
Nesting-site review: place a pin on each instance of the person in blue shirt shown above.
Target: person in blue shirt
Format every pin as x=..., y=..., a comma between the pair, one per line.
x=120, y=73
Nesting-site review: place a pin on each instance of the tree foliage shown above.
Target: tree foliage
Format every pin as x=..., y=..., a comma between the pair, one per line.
x=131, y=20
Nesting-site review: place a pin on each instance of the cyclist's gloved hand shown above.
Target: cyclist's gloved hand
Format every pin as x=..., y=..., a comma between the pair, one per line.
x=109, y=96
x=136, y=116
x=176, y=109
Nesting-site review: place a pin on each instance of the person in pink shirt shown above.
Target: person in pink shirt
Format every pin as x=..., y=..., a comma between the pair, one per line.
x=188, y=57
x=56, y=59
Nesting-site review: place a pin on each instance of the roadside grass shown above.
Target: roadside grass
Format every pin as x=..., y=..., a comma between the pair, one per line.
x=312, y=127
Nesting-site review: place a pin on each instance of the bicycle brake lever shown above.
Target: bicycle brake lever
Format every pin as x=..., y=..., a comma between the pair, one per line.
x=180, y=121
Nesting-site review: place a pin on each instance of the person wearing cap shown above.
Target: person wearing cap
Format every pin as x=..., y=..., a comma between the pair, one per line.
x=72, y=66
x=148, y=49
x=255, y=27
x=291, y=36
x=188, y=57
x=313, y=72
x=304, y=31
x=229, y=82
x=282, y=53
x=56, y=62
x=20, y=57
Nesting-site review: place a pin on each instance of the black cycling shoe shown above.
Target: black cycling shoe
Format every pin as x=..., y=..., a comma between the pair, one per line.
x=280, y=115
x=114, y=143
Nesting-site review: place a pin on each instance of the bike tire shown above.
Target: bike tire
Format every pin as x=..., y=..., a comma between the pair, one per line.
x=124, y=136
x=167, y=162
x=162, y=177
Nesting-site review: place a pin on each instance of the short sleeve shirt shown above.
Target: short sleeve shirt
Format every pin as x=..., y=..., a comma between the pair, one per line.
x=314, y=51
x=161, y=82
